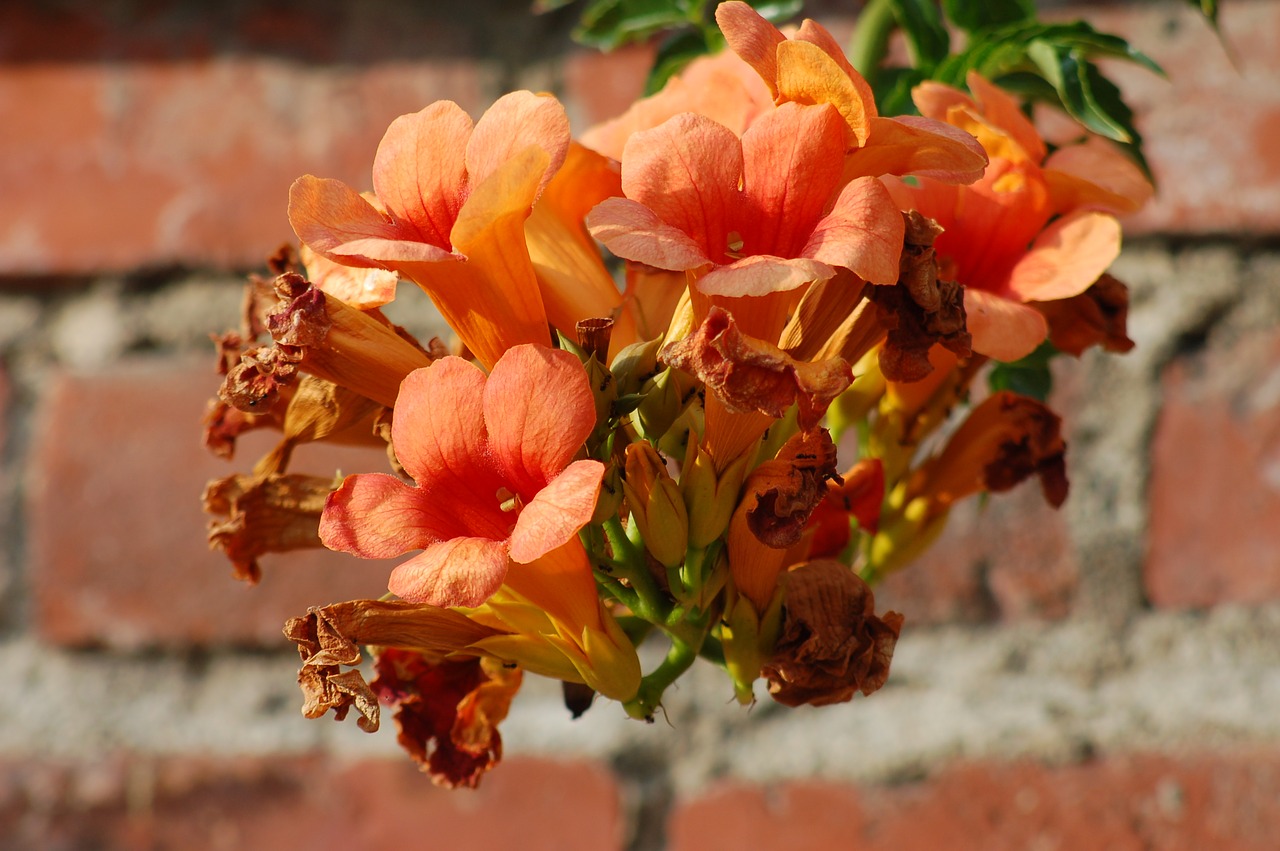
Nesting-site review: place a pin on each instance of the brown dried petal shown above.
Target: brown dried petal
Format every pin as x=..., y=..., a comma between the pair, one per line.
x=223, y=424
x=269, y=514
x=260, y=381
x=832, y=643
x=786, y=490
x=447, y=711
x=753, y=375
x=324, y=649
x=1097, y=317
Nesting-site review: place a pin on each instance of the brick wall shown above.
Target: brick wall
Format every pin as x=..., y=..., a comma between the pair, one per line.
x=1103, y=676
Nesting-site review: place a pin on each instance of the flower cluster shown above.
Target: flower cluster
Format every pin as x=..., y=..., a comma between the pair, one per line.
x=720, y=454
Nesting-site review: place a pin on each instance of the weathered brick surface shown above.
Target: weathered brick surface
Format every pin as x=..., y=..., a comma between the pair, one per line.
x=1211, y=801
x=210, y=804
x=1215, y=479
x=117, y=543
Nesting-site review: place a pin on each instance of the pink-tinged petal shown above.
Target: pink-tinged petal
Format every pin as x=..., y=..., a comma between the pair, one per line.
x=763, y=274
x=935, y=100
x=439, y=438
x=792, y=161
x=393, y=254
x=560, y=509
x=374, y=515
x=517, y=121
x=687, y=171
x=359, y=287
x=458, y=572
x=1002, y=329
x=634, y=232
x=1096, y=174
x=327, y=214
x=1067, y=257
x=863, y=233
x=419, y=172
x=919, y=146
x=1003, y=111
x=538, y=409
x=753, y=38
x=806, y=74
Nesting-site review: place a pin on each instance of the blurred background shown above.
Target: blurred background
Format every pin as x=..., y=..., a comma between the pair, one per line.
x=1107, y=675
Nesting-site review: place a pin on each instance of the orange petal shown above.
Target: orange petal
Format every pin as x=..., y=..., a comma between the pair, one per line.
x=687, y=171
x=634, y=232
x=919, y=146
x=814, y=33
x=792, y=161
x=374, y=515
x=539, y=409
x=418, y=172
x=517, y=121
x=1003, y=111
x=331, y=217
x=560, y=509
x=936, y=100
x=439, y=438
x=1067, y=257
x=1003, y=329
x=359, y=287
x=457, y=572
x=1095, y=174
x=561, y=584
x=753, y=38
x=806, y=74
x=863, y=233
x=763, y=274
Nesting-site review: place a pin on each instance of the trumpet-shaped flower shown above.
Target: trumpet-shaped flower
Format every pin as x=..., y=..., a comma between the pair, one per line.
x=1033, y=229
x=495, y=477
x=751, y=216
x=452, y=200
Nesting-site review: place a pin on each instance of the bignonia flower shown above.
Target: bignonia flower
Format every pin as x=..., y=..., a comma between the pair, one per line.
x=451, y=204
x=1036, y=228
x=496, y=510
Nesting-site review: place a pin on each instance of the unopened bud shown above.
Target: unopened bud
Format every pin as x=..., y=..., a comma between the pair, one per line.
x=710, y=498
x=748, y=638
x=656, y=504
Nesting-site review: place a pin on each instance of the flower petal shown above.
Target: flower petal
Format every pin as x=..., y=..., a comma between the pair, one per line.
x=634, y=232
x=793, y=158
x=1002, y=110
x=517, y=121
x=1095, y=173
x=374, y=515
x=1002, y=329
x=439, y=438
x=1067, y=257
x=863, y=233
x=763, y=274
x=560, y=509
x=538, y=409
x=806, y=74
x=687, y=171
x=920, y=146
x=359, y=287
x=326, y=214
x=457, y=572
x=753, y=38
x=419, y=173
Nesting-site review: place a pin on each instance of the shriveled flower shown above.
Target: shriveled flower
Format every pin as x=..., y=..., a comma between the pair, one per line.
x=256, y=515
x=496, y=482
x=832, y=643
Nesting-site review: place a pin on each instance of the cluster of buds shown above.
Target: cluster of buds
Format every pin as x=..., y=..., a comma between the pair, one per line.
x=723, y=453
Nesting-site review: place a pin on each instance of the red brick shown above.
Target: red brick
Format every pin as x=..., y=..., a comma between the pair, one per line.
x=600, y=86
x=312, y=803
x=1215, y=479
x=115, y=166
x=117, y=537
x=1211, y=801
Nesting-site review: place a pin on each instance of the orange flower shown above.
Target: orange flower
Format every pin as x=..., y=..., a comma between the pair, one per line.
x=1001, y=239
x=452, y=200
x=810, y=68
x=496, y=479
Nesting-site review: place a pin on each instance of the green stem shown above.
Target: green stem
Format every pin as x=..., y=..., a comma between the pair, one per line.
x=871, y=34
x=647, y=700
x=629, y=564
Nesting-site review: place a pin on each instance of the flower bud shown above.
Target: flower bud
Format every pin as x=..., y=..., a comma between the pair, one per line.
x=710, y=499
x=656, y=504
x=748, y=639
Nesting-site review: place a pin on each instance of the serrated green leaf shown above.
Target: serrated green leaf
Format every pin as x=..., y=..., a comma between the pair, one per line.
x=1030, y=376
x=923, y=27
x=970, y=16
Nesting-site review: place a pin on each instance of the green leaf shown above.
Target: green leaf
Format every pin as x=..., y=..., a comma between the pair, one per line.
x=1029, y=377
x=676, y=52
x=923, y=27
x=776, y=11
x=970, y=16
x=608, y=24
